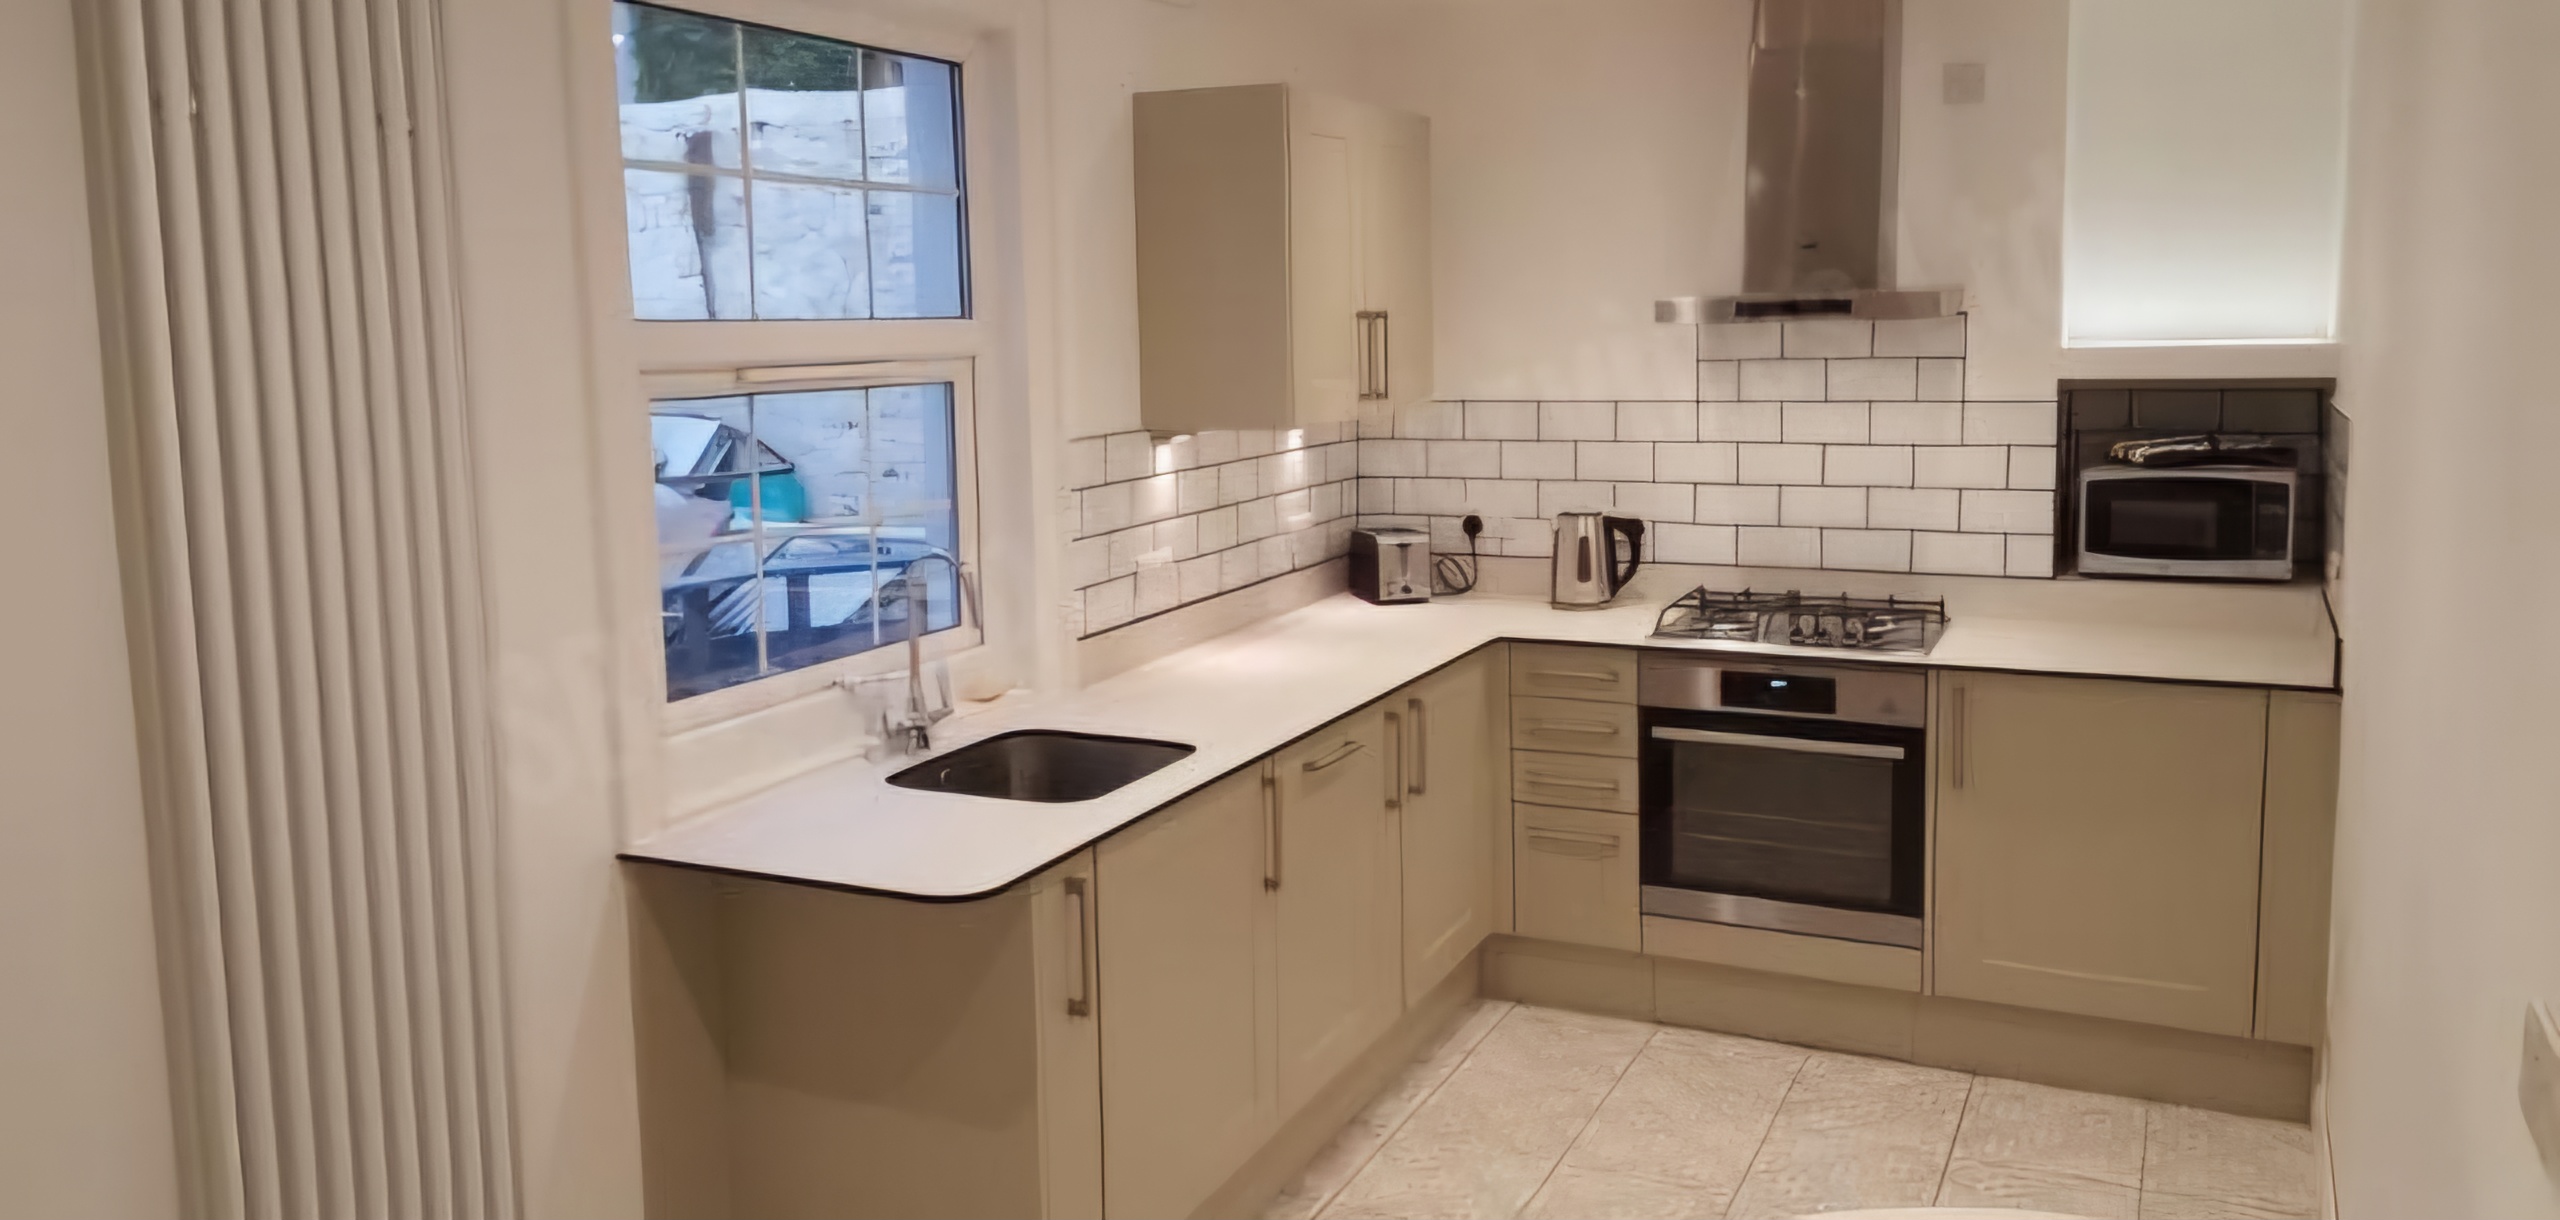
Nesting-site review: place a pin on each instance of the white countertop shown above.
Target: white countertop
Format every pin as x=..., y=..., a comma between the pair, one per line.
x=1241, y=696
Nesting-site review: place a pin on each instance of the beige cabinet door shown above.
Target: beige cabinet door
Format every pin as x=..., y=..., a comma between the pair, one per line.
x=1450, y=814
x=1065, y=988
x=1394, y=189
x=2097, y=847
x=1181, y=931
x=1324, y=258
x=1340, y=943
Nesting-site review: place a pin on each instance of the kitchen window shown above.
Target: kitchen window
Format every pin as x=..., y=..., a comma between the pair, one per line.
x=769, y=174
x=801, y=526
x=797, y=244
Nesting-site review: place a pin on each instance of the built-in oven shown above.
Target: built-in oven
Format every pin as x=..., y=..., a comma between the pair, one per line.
x=1784, y=796
x=2213, y=522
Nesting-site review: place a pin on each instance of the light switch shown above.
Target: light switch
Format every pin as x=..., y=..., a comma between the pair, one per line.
x=1962, y=84
x=2538, y=1085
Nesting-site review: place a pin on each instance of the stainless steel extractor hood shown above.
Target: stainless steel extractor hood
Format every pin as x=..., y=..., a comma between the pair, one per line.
x=1818, y=191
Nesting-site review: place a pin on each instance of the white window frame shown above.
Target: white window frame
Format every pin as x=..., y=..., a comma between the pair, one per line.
x=698, y=358
x=756, y=694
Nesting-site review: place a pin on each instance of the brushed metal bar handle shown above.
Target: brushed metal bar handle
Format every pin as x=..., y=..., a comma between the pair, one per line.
x=1579, y=675
x=1956, y=749
x=1421, y=748
x=1081, y=1003
x=1386, y=357
x=1270, y=829
x=1763, y=741
x=1340, y=752
x=1593, y=728
x=1550, y=780
x=1395, y=774
x=1580, y=849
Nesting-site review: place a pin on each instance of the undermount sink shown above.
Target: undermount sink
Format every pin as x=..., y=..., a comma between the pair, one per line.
x=1042, y=765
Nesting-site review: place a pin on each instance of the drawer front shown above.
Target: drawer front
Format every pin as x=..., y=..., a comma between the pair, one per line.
x=1574, y=781
x=1575, y=877
x=1557, y=671
x=1574, y=726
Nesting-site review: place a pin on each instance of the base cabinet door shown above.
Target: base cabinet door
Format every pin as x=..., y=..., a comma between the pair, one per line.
x=1182, y=923
x=2097, y=847
x=1450, y=815
x=1339, y=936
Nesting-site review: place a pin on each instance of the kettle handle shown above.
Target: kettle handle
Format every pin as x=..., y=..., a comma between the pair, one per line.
x=1633, y=530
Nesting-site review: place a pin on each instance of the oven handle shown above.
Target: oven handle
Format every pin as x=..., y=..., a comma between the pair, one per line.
x=1801, y=745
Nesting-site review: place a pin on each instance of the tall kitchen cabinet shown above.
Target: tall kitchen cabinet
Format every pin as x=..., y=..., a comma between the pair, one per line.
x=2098, y=847
x=1284, y=258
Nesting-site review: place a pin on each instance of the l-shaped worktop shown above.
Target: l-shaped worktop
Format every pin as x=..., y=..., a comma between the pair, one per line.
x=1243, y=695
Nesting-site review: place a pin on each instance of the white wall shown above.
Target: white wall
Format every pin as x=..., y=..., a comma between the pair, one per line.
x=1586, y=158
x=84, y=1086
x=2447, y=914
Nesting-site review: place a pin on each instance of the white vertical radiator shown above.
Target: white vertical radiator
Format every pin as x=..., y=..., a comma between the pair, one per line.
x=271, y=191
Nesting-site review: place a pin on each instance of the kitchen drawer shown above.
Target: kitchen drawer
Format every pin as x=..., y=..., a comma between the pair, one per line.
x=1578, y=781
x=1574, y=726
x=1562, y=671
x=1574, y=877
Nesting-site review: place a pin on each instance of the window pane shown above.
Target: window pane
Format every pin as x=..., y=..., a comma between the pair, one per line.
x=688, y=235
x=804, y=105
x=812, y=260
x=676, y=76
x=854, y=487
x=915, y=255
x=910, y=109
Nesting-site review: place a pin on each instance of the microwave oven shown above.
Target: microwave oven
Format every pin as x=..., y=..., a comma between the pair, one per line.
x=2212, y=522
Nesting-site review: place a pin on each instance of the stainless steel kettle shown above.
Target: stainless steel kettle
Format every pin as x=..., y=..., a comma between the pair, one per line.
x=1588, y=570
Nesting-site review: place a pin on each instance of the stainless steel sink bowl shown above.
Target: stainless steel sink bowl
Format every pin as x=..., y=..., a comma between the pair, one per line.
x=1042, y=765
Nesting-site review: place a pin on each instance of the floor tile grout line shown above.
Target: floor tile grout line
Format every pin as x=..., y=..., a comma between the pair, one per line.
x=2142, y=1174
x=1590, y=1118
x=1964, y=1114
x=1327, y=1201
x=1766, y=1128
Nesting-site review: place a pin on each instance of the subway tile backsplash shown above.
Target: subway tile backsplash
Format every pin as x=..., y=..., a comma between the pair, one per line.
x=1819, y=444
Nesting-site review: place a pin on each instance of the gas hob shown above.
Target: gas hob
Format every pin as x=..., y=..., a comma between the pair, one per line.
x=1865, y=624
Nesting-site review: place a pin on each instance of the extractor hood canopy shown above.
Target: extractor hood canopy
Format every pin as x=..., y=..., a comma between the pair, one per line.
x=1818, y=190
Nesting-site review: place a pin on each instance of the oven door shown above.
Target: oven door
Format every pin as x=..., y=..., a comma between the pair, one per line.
x=1795, y=824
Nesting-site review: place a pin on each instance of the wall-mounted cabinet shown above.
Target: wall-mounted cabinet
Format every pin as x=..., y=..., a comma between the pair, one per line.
x=1284, y=258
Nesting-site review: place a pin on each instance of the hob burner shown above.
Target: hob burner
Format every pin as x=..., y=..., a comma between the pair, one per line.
x=1874, y=624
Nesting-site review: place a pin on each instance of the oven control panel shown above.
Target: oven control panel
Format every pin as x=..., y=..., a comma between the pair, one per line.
x=1782, y=688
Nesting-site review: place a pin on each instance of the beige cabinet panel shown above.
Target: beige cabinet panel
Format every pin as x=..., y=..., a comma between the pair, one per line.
x=1575, y=877
x=1574, y=726
x=1340, y=937
x=2097, y=847
x=1579, y=781
x=1181, y=915
x=1270, y=220
x=1394, y=159
x=1568, y=671
x=1450, y=815
x=1064, y=919
x=2293, y=897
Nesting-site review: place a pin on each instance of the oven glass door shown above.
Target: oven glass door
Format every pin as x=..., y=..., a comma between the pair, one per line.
x=1814, y=812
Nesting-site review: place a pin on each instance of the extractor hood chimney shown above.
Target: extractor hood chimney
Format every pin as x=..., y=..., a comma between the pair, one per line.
x=1818, y=190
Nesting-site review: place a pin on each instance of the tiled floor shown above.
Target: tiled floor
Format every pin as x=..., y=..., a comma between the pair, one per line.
x=1525, y=1111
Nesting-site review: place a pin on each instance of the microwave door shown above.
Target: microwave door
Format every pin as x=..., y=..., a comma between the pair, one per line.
x=2198, y=525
